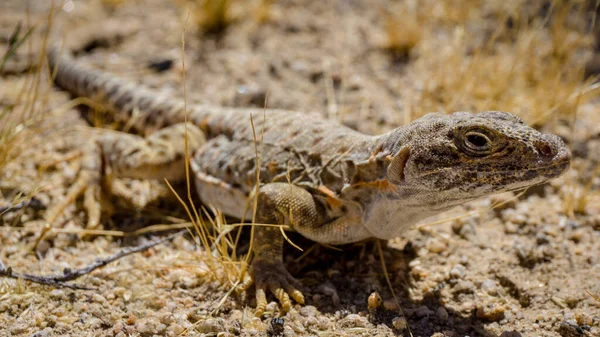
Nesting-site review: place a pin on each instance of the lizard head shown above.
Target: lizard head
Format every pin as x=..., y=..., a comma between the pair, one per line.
x=464, y=156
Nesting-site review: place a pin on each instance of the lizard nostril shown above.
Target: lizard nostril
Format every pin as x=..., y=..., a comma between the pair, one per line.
x=545, y=149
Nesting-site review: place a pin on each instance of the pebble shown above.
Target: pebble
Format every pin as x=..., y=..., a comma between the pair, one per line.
x=98, y=298
x=399, y=323
x=583, y=318
x=131, y=319
x=442, y=314
x=311, y=321
x=464, y=287
x=374, y=301
x=57, y=294
x=458, y=272
x=423, y=311
x=43, y=333
x=118, y=327
x=490, y=287
x=323, y=323
x=510, y=228
x=308, y=311
x=491, y=312
x=165, y=317
x=211, y=325
x=177, y=329
x=353, y=321
x=436, y=246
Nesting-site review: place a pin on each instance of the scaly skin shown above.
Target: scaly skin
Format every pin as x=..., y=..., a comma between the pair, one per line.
x=344, y=186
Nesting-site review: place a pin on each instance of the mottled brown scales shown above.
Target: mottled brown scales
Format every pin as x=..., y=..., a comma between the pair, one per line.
x=345, y=186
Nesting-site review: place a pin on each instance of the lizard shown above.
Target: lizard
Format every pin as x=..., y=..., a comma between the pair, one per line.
x=326, y=181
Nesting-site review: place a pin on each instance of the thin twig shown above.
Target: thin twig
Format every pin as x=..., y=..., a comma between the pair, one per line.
x=69, y=275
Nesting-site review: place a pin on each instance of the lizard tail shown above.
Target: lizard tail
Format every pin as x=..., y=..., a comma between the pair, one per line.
x=131, y=103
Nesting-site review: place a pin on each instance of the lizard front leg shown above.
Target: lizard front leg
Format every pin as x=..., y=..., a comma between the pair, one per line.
x=279, y=204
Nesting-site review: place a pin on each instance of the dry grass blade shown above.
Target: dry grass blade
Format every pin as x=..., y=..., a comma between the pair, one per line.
x=389, y=282
x=596, y=297
x=15, y=43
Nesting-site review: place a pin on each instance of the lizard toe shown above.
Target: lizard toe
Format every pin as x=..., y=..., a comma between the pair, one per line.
x=273, y=277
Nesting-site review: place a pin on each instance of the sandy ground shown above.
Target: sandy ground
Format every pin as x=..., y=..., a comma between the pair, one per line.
x=530, y=267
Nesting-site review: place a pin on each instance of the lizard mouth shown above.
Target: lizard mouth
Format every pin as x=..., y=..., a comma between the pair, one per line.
x=564, y=163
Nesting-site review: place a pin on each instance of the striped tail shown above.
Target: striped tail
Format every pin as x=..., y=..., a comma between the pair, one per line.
x=146, y=110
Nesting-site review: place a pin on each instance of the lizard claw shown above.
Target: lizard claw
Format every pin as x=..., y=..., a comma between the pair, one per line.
x=274, y=277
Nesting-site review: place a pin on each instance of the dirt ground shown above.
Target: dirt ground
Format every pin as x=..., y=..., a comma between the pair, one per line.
x=528, y=267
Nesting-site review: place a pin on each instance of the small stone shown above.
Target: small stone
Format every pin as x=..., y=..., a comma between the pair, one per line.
x=577, y=235
x=119, y=291
x=490, y=287
x=311, y=321
x=57, y=294
x=374, y=301
x=583, y=318
x=177, y=329
x=510, y=228
x=43, y=333
x=491, y=312
x=211, y=325
x=165, y=317
x=436, y=246
x=308, y=311
x=161, y=328
x=442, y=314
x=147, y=327
x=118, y=327
x=323, y=323
x=458, y=272
x=464, y=287
x=353, y=321
x=127, y=296
x=399, y=323
x=419, y=273
x=568, y=329
x=423, y=311
x=542, y=239
x=98, y=298
x=511, y=334
x=131, y=319
x=272, y=307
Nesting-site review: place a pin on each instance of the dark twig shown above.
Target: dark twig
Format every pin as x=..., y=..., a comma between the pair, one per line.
x=69, y=275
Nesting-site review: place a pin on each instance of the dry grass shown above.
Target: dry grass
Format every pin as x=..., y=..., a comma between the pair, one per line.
x=22, y=105
x=501, y=55
x=207, y=16
x=402, y=32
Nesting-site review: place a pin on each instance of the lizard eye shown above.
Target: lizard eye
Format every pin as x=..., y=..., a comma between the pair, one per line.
x=477, y=143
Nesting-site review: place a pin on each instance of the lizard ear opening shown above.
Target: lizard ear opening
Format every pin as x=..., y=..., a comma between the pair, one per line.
x=395, y=171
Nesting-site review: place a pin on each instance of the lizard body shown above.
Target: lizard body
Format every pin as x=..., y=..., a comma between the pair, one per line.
x=330, y=183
